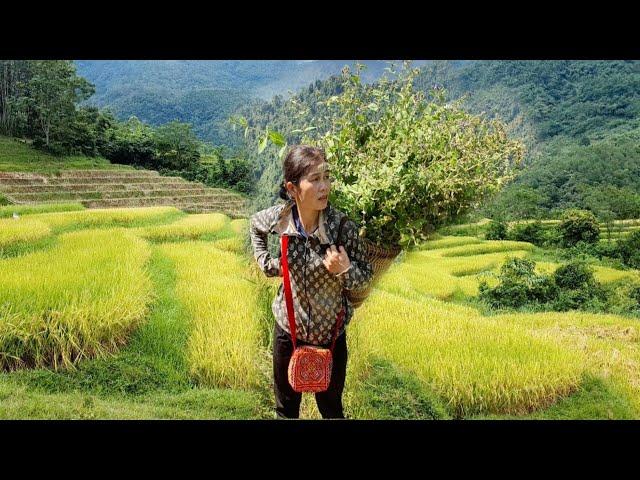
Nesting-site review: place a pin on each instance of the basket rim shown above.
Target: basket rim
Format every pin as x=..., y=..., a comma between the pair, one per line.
x=382, y=250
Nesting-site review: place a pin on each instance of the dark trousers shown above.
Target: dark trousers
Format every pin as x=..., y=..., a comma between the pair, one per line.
x=287, y=400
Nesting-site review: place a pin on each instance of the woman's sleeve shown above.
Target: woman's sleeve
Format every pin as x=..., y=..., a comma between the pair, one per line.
x=259, y=230
x=360, y=274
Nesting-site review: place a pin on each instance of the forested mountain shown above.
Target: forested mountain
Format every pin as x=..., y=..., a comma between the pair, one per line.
x=202, y=92
x=577, y=99
x=581, y=123
x=579, y=120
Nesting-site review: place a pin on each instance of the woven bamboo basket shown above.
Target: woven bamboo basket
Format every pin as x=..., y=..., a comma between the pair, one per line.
x=381, y=259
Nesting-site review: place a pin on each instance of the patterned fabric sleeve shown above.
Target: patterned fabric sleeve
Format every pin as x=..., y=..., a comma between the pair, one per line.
x=360, y=274
x=259, y=230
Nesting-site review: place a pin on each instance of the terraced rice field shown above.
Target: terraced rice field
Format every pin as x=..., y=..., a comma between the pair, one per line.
x=617, y=229
x=155, y=313
x=119, y=188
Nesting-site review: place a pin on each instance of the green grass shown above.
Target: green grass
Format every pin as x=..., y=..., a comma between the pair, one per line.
x=224, y=342
x=14, y=232
x=418, y=349
x=80, y=299
x=474, y=364
x=16, y=156
x=597, y=399
x=152, y=360
x=20, y=402
x=204, y=226
x=146, y=379
x=386, y=393
x=26, y=248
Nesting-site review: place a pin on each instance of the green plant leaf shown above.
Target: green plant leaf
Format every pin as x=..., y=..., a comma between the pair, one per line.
x=276, y=138
x=281, y=151
x=263, y=144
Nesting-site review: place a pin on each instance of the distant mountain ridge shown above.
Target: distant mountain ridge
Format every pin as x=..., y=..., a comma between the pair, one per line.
x=204, y=93
x=563, y=110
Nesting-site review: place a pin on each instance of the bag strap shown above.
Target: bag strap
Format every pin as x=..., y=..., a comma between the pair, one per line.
x=284, y=245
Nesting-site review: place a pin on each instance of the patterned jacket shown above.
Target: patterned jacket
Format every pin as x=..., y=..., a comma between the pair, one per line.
x=317, y=293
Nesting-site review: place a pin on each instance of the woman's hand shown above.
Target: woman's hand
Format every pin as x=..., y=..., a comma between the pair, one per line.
x=336, y=261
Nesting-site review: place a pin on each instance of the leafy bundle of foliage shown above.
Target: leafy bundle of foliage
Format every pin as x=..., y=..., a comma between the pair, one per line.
x=404, y=165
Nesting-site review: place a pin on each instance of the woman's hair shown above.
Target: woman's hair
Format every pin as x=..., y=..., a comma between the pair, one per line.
x=297, y=163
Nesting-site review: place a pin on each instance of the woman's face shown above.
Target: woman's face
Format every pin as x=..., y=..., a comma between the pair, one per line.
x=312, y=191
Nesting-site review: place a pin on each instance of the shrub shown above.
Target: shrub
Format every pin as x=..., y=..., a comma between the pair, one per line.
x=628, y=249
x=571, y=287
x=519, y=286
x=578, y=225
x=624, y=298
x=607, y=249
x=532, y=232
x=582, y=299
x=635, y=294
x=578, y=289
x=496, y=230
x=574, y=275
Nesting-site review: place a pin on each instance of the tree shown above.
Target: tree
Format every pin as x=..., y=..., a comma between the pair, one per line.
x=130, y=143
x=53, y=91
x=516, y=202
x=176, y=145
x=578, y=226
x=13, y=78
x=622, y=202
x=629, y=249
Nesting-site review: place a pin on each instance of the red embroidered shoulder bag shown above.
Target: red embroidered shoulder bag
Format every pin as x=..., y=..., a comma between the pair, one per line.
x=310, y=366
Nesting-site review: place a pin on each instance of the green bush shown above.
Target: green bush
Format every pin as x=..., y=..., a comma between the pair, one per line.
x=580, y=251
x=551, y=237
x=578, y=289
x=519, y=286
x=607, y=249
x=628, y=249
x=496, y=230
x=634, y=294
x=581, y=299
x=573, y=276
x=571, y=287
x=578, y=225
x=532, y=232
x=624, y=298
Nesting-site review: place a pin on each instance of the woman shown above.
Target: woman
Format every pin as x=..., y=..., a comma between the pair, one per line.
x=318, y=271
